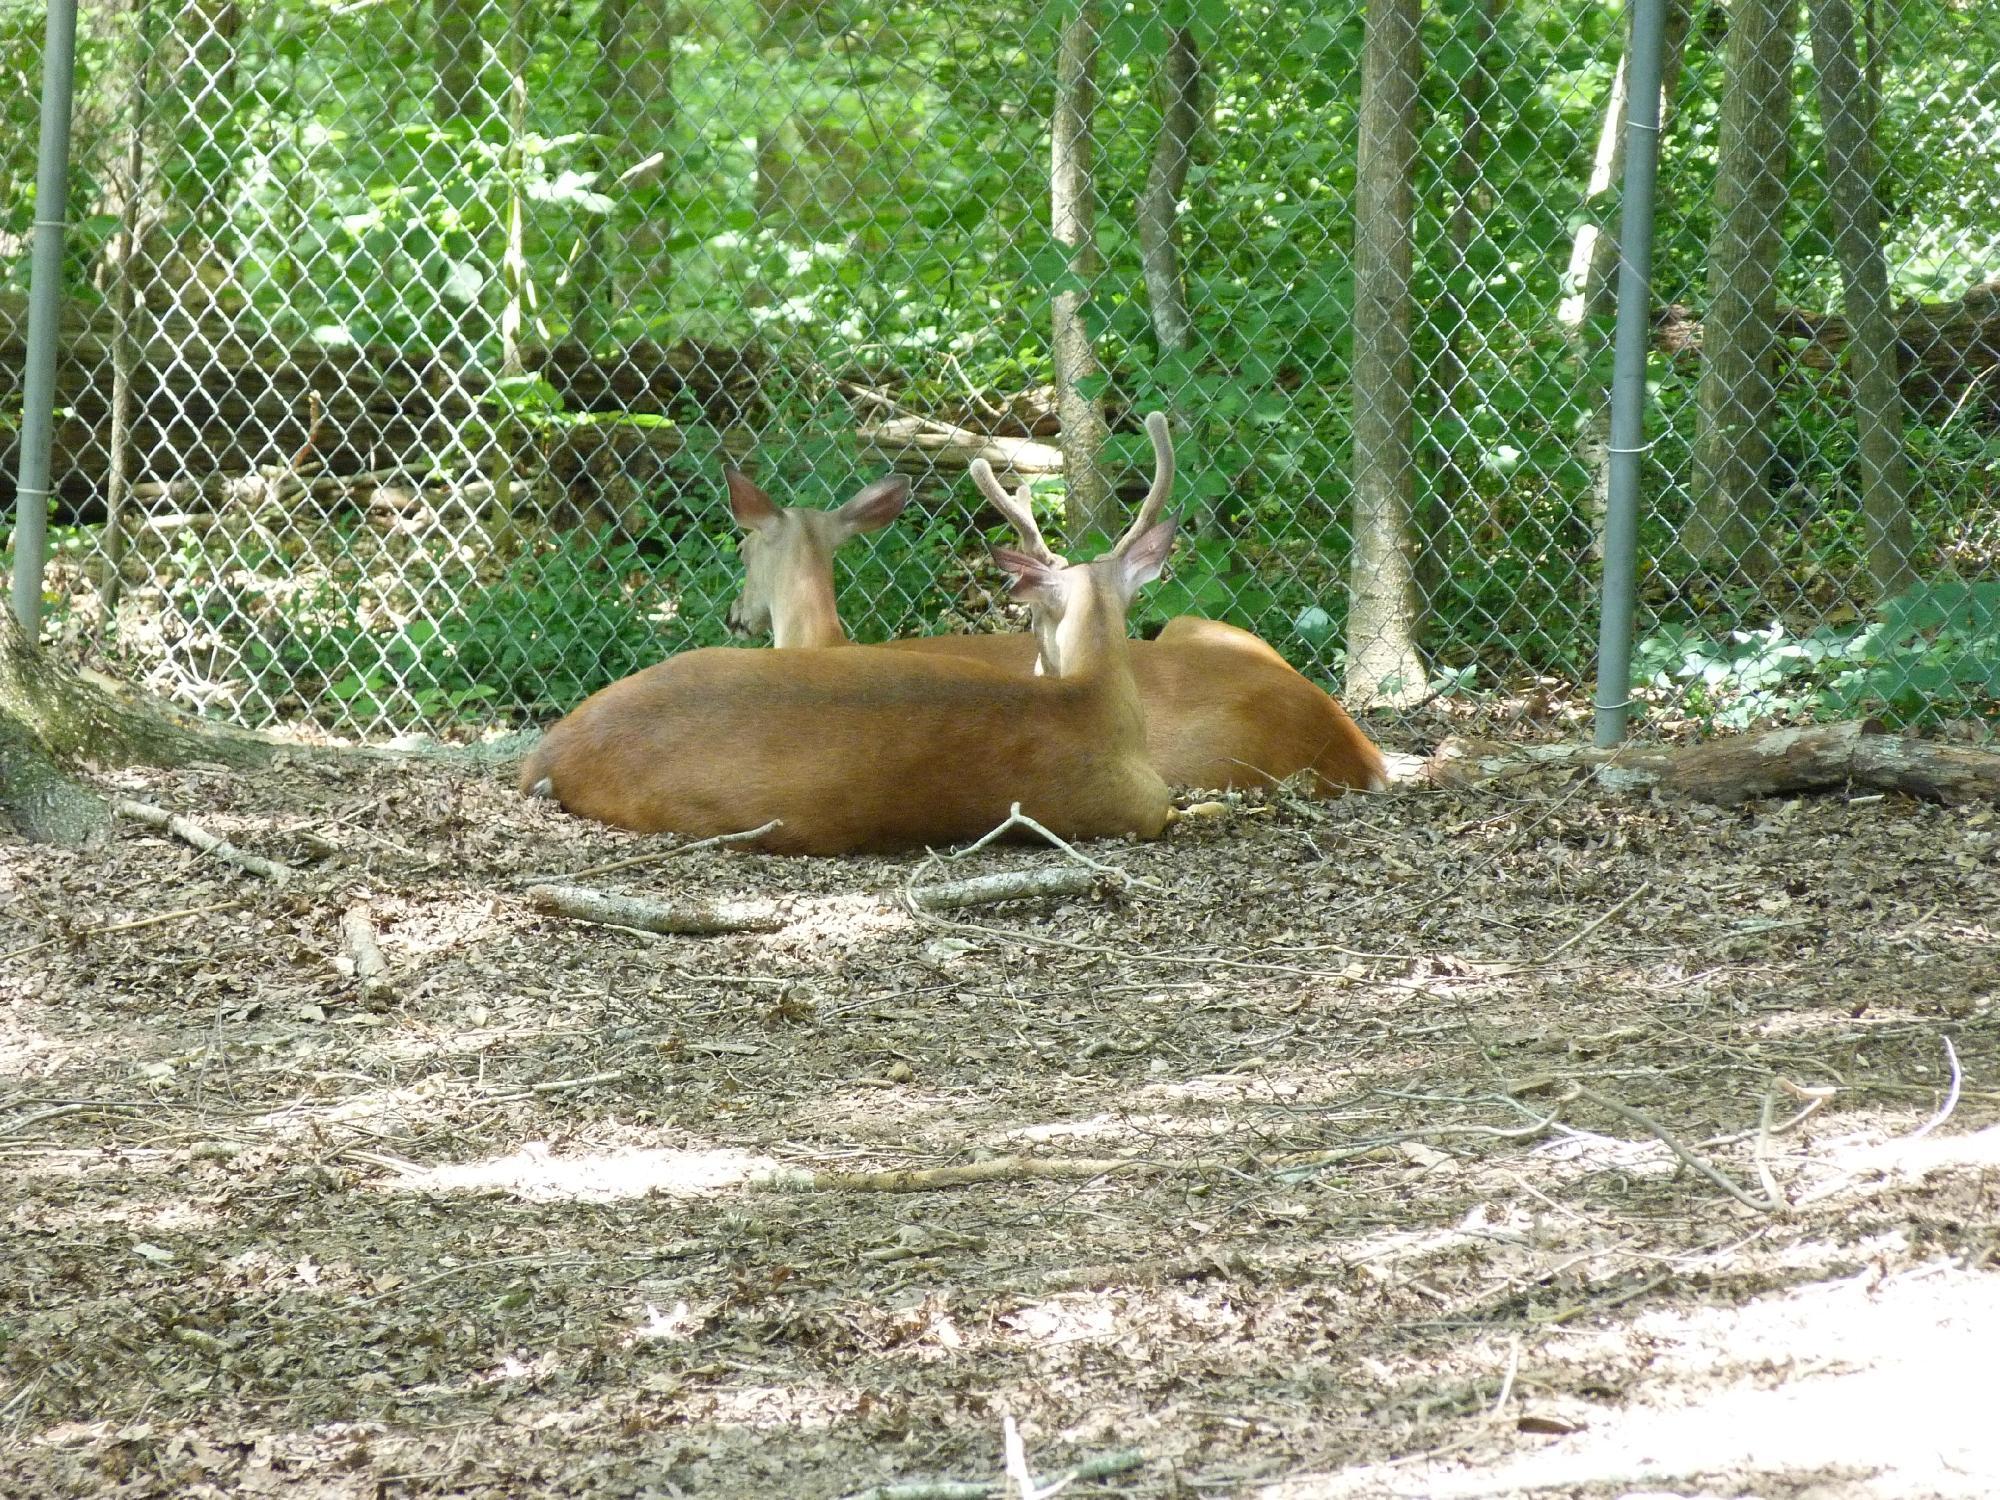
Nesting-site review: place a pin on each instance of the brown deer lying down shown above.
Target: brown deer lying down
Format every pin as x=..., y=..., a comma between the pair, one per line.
x=861, y=750
x=1223, y=709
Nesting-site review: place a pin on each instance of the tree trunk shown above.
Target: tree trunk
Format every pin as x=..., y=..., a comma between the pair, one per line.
x=1847, y=116
x=49, y=717
x=1073, y=219
x=592, y=286
x=1446, y=499
x=71, y=719
x=1589, y=311
x=634, y=87
x=648, y=133
x=128, y=306
x=1181, y=117
x=514, y=255
x=37, y=800
x=459, y=60
x=1383, y=666
x=1733, y=448
x=195, y=268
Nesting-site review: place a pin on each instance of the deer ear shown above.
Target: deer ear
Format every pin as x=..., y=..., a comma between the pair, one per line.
x=750, y=505
x=1141, y=561
x=875, y=507
x=1031, y=578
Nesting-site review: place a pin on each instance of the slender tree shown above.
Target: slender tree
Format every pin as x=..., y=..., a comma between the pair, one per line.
x=1847, y=119
x=1383, y=664
x=128, y=311
x=1733, y=448
x=1073, y=218
x=198, y=170
x=458, y=60
x=1181, y=92
x=1444, y=501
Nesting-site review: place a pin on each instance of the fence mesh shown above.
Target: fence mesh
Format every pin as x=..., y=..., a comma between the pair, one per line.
x=405, y=342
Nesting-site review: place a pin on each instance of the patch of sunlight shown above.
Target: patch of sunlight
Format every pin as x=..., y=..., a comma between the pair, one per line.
x=1260, y=1085
x=1906, y=1158
x=434, y=928
x=171, y=1217
x=1881, y=1388
x=27, y=1053
x=1484, y=1225
x=677, y=1325
x=1918, y=1156
x=1074, y=1317
x=536, y=1174
x=790, y=1409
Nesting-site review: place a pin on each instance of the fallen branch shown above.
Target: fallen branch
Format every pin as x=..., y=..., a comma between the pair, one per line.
x=917, y=442
x=193, y=833
x=357, y=941
x=930, y=1489
x=1006, y=885
x=1583, y=932
x=1103, y=1466
x=581, y=904
x=1665, y=1137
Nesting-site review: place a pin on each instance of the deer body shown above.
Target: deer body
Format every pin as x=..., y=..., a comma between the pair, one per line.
x=1222, y=708
x=856, y=750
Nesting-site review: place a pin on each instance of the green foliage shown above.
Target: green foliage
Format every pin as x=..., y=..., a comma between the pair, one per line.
x=859, y=193
x=1933, y=654
x=553, y=626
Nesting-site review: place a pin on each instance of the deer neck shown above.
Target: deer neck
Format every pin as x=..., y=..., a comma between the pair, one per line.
x=809, y=616
x=1093, y=649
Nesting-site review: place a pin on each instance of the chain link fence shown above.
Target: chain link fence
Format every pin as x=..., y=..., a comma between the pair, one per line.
x=405, y=342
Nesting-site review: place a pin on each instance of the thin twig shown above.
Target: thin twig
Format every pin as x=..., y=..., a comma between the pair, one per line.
x=193, y=833
x=1583, y=932
x=1507, y=1380
x=1604, y=1304
x=153, y=921
x=656, y=856
x=1014, y=1455
x=1018, y=819
x=1667, y=1139
x=1757, y=1160
x=1950, y=1099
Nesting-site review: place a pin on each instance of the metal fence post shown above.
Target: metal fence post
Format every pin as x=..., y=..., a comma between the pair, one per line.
x=38, y=393
x=1628, y=377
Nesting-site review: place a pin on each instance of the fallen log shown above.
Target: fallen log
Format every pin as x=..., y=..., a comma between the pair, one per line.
x=1856, y=755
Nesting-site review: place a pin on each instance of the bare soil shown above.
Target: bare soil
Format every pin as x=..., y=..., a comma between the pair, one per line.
x=1501, y=1142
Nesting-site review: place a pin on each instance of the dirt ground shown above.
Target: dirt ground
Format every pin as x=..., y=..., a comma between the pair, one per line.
x=1532, y=1141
